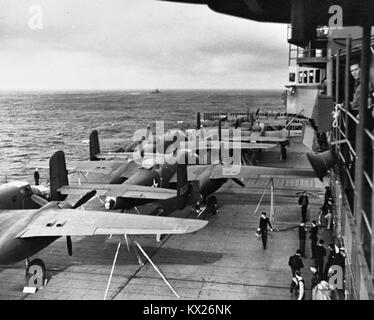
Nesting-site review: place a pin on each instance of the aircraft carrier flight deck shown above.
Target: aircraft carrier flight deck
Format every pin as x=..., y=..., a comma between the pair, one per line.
x=224, y=260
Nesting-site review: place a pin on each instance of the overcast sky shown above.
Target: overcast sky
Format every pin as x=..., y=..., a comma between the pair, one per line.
x=137, y=44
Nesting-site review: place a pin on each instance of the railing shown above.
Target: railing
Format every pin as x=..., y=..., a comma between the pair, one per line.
x=232, y=115
x=321, y=32
x=353, y=141
x=311, y=53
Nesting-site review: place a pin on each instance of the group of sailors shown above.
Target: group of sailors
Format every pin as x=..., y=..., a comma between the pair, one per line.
x=326, y=284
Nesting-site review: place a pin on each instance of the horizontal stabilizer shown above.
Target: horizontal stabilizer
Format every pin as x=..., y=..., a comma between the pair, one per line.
x=122, y=190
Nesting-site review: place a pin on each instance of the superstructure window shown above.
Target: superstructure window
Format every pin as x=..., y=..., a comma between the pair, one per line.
x=305, y=76
x=311, y=76
x=318, y=76
x=301, y=75
x=292, y=77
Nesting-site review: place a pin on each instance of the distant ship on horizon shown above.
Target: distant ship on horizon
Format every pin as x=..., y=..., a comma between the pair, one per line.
x=156, y=91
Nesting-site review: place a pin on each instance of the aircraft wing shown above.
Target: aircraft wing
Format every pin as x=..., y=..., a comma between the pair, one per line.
x=115, y=155
x=238, y=145
x=122, y=190
x=143, y=192
x=220, y=171
x=193, y=172
x=128, y=155
x=260, y=138
x=103, y=167
x=132, y=167
x=115, y=142
x=70, y=222
x=100, y=167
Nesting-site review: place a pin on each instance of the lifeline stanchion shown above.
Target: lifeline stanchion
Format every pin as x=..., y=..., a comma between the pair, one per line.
x=271, y=199
x=159, y=272
x=293, y=119
x=111, y=272
x=271, y=183
x=262, y=197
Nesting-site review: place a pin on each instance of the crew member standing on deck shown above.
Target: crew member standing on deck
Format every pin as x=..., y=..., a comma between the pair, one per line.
x=149, y=133
x=36, y=176
x=300, y=285
x=263, y=228
x=315, y=281
x=320, y=253
x=304, y=202
x=314, y=237
x=302, y=239
x=331, y=260
x=283, y=146
x=328, y=195
x=296, y=263
x=212, y=205
x=328, y=218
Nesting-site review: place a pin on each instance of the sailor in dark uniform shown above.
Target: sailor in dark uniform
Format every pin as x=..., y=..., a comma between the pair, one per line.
x=303, y=202
x=300, y=285
x=212, y=205
x=36, y=176
x=314, y=237
x=263, y=228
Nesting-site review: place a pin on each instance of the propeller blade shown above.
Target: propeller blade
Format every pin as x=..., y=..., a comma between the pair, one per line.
x=69, y=245
x=39, y=200
x=220, y=139
x=84, y=199
x=237, y=181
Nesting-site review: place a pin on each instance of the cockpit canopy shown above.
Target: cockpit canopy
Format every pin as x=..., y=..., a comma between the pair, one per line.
x=18, y=184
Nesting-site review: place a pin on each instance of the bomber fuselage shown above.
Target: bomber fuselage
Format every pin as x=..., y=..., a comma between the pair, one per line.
x=12, y=248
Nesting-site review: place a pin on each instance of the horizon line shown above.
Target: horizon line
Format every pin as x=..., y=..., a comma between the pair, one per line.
x=139, y=89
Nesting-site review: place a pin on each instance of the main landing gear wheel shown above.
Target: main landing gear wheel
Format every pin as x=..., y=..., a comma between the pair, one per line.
x=35, y=273
x=212, y=204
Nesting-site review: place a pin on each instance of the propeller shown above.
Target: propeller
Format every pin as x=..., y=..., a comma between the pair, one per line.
x=237, y=181
x=69, y=245
x=236, y=123
x=39, y=200
x=84, y=199
x=220, y=140
x=80, y=202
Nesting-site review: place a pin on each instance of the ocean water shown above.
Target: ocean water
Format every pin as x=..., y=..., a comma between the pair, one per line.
x=33, y=125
